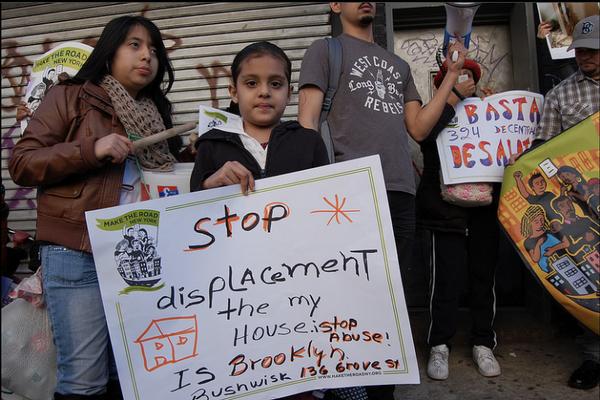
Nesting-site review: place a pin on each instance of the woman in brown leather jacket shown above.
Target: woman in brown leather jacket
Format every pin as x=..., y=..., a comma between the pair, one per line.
x=77, y=152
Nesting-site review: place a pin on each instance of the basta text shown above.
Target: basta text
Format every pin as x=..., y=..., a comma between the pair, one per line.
x=491, y=110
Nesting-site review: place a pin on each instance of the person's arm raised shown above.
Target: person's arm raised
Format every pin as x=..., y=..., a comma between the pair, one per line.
x=420, y=120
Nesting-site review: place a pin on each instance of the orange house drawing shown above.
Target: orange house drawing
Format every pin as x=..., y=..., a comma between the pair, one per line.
x=168, y=341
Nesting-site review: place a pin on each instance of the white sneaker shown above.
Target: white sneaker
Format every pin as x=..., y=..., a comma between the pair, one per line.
x=485, y=360
x=437, y=366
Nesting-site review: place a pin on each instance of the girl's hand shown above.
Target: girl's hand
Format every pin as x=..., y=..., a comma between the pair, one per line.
x=230, y=173
x=115, y=146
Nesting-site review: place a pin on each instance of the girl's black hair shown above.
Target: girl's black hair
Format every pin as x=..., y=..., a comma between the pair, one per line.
x=100, y=60
x=256, y=49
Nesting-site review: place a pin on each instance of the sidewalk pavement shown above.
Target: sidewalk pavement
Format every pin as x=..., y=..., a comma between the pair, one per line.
x=536, y=362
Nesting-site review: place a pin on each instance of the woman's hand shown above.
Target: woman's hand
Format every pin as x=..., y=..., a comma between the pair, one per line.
x=114, y=146
x=23, y=112
x=230, y=173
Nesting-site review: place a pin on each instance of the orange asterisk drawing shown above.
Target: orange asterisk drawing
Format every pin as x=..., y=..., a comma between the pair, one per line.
x=337, y=210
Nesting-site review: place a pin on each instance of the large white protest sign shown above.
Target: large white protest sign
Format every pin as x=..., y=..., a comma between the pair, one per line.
x=67, y=57
x=216, y=295
x=477, y=144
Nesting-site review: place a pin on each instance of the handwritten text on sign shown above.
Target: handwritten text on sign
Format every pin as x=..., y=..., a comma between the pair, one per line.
x=477, y=144
x=216, y=295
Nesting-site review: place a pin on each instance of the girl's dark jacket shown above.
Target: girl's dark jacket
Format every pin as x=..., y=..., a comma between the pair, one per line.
x=291, y=148
x=433, y=212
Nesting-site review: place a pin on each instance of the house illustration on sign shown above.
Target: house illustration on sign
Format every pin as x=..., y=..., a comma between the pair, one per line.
x=168, y=341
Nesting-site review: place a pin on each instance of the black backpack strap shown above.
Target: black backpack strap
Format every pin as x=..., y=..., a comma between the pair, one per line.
x=335, y=71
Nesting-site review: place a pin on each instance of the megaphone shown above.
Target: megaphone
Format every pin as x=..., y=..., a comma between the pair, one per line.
x=459, y=21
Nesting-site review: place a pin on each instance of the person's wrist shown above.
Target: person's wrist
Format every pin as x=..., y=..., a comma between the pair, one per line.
x=453, y=100
x=457, y=93
x=453, y=74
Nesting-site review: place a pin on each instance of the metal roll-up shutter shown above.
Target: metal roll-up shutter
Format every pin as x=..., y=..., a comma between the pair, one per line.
x=201, y=38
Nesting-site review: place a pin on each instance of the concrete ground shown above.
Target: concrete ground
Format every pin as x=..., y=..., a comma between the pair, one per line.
x=536, y=362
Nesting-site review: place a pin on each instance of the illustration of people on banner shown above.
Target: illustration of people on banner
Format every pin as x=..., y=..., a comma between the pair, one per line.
x=478, y=142
x=135, y=253
x=65, y=58
x=549, y=207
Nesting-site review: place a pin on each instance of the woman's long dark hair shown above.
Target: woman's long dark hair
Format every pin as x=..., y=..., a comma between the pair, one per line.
x=100, y=60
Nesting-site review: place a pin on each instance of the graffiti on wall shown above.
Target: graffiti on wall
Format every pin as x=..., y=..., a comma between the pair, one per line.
x=489, y=47
x=19, y=197
x=422, y=51
x=211, y=74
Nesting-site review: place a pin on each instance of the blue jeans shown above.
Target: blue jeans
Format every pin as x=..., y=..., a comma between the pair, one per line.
x=72, y=295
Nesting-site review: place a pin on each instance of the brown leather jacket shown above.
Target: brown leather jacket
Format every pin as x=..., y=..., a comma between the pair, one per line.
x=56, y=154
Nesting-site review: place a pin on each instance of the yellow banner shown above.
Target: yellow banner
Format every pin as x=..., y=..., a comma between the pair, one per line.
x=141, y=217
x=549, y=207
x=68, y=57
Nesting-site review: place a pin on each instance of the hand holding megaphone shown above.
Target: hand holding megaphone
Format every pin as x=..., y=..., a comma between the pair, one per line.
x=456, y=56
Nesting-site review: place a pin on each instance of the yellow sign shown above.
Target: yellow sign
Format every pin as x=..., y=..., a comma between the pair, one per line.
x=549, y=207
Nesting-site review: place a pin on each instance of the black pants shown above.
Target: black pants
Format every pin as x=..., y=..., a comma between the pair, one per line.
x=477, y=252
x=402, y=210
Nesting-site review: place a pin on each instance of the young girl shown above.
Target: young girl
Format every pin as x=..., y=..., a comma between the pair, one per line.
x=261, y=89
x=75, y=150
